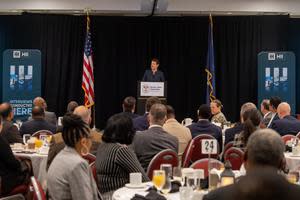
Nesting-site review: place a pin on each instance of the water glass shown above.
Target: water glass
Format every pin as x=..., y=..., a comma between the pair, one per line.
x=186, y=193
x=167, y=168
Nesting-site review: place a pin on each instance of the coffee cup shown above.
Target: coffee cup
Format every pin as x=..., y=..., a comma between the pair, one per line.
x=135, y=178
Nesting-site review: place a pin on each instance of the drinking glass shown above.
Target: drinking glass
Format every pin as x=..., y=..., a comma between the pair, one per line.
x=167, y=186
x=159, y=179
x=167, y=168
x=26, y=137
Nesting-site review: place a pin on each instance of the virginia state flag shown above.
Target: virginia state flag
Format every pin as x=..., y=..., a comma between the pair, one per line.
x=210, y=65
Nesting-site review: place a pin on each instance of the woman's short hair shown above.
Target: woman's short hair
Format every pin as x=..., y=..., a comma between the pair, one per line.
x=74, y=129
x=119, y=129
x=218, y=103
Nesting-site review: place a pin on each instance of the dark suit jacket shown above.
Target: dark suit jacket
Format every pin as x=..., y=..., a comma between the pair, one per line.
x=131, y=115
x=49, y=117
x=11, y=133
x=35, y=125
x=260, y=185
x=206, y=127
x=286, y=125
x=272, y=120
x=148, y=143
x=10, y=167
x=231, y=132
x=150, y=77
x=141, y=123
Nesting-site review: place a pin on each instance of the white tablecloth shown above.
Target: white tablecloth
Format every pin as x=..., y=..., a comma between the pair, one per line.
x=125, y=193
x=293, y=162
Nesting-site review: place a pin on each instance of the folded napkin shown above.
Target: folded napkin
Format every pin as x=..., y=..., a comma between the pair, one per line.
x=152, y=195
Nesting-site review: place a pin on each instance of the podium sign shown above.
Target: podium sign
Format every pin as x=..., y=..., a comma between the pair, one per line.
x=276, y=76
x=21, y=80
x=148, y=89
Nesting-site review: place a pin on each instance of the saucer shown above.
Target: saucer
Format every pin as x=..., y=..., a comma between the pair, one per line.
x=140, y=186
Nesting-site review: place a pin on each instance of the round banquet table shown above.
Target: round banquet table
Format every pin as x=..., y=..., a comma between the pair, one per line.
x=292, y=161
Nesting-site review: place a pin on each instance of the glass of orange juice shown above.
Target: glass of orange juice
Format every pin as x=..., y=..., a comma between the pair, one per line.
x=159, y=179
x=38, y=143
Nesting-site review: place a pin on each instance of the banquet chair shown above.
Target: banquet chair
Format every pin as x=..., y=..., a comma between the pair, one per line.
x=287, y=138
x=203, y=164
x=166, y=156
x=20, y=189
x=13, y=197
x=90, y=158
x=228, y=145
x=235, y=156
x=38, y=192
x=41, y=132
x=193, y=153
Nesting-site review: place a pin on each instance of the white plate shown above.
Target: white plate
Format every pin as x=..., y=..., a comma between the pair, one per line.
x=141, y=186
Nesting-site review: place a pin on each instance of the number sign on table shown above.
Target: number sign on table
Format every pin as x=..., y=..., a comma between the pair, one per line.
x=209, y=146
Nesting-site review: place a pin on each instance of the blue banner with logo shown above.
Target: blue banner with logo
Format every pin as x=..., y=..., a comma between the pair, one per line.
x=21, y=81
x=276, y=77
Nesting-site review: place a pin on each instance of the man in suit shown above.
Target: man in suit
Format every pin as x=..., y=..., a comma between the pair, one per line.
x=286, y=124
x=267, y=114
x=141, y=123
x=129, y=107
x=37, y=123
x=9, y=131
x=154, y=75
x=57, y=142
x=204, y=126
x=274, y=102
x=49, y=116
x=264, y=155
x=148, y=143
x=173, y=127
x=231, y=132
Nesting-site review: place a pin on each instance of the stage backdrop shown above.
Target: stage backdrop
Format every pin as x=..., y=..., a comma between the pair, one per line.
x=21, y=80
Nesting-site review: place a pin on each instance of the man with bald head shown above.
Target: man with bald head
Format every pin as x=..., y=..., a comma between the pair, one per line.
x=286, y=124
x=37, y=123
x=146, y=144
x=49, y=116
x=9, y=131
x=57, y=142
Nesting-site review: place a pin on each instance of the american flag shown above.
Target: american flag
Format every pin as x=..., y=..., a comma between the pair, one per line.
x=88, y=74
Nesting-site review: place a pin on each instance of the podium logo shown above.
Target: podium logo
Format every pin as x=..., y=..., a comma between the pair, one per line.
x=145, y=88
x=16, y=54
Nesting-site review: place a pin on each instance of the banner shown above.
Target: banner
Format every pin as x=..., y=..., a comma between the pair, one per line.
x=21, y=80
x=276, y=77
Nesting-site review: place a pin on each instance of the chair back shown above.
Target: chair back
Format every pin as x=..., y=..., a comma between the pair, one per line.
x=38, y=192
x=89, y=157
x=287, y=138
x=41, y=132
x=193, y=153
x=235, y=157
x=228, y=145
x=166, y=156
x=203, y=164
x=20, y=189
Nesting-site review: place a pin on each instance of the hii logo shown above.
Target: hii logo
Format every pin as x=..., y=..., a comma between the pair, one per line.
x=274, y=56
x=19, y=54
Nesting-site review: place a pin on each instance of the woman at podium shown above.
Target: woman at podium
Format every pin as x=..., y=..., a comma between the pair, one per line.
x=154, y=75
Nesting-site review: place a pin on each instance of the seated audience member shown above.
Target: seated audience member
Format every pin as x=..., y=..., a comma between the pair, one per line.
x=204, y=126
x=9, y=131
x=141, y=123
x=231, y=132
x=37, y=123
x=274, y=102
x=267, y=114
x=148, y=143
x=12, y=171
x=69, y=175
x=57, y=142
x=218, y=116
x=129, y=107
x=173, y=127
x=251, y=120
x=115, y=161
x=71, y=106
x=49, y=116
x=286, y=124
x=264, y=151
